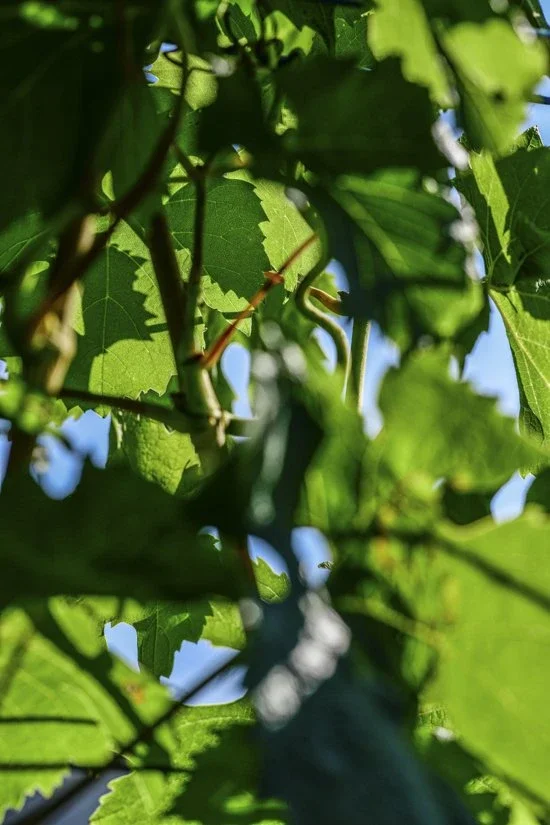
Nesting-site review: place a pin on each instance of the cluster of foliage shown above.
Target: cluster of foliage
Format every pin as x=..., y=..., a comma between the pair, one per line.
x=149, y=218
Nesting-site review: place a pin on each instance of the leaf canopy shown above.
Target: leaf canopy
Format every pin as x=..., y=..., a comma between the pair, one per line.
x=182, y=177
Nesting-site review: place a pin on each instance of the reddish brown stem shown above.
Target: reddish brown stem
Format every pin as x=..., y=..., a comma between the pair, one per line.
x=213, y=355
x=333, y=304
x=215, y=352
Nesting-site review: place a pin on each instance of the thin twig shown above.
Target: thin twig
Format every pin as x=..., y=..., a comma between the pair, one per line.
x=332, y=304
x=35, y=817
x=195, y=273
x=358, y=362
x=174, y=419
x=213, y=355
x=11, y=767
x=316, y=316
x=189, y=168
x=170, y=283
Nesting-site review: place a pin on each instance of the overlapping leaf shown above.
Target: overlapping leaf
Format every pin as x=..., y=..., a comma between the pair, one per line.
x=403, y=251
x=63, y=701
x=124, y=347
x=509, y=198
x=493, y=677
x=436, y=426
x=157, y=454
x=351, y=35
x=210, y=742
x=317, y=15
x=234, y=257
x=116, y=534
x=162, y=627
x=466, y=48
x=402, y=29
x=285, y=229
x=429, y=585
x=352, y=121
x=76, y=60
x=59, y=137
x=525, y=308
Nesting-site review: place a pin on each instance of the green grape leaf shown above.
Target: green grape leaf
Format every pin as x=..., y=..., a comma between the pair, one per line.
x=491, y=678
x=124, y=346
x=272, y=587
x=351, y=121
x=234, y=257
x=457, y=435
x=492, y=67
x=30, y=292
x=486, y=798
x=116, y=534
x=41, y=100
x=242, y=22
x=21, y=236
x=525, y=309
x=209, y=743
x=237, y=117
x=75, y=60
x=401, y=28
x=330, y=497
x=130, y=140
x=507, y=197
x=315, y=14
x=351, y=36
x=64, y=701
x=157, y=454
x=200, y=90
x=496, y=72
x=237, y=802
x=401, y=248
x=162, y=627
x=539, y=492
x=284, y=230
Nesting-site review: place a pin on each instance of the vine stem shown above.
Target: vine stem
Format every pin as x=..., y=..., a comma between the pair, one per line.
x=213, y=355
x=330, y=303
x=195, y=274
x=358, y=362
x=320, y=319
x=170, y=283
x=35, y=817
x=176, y=420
